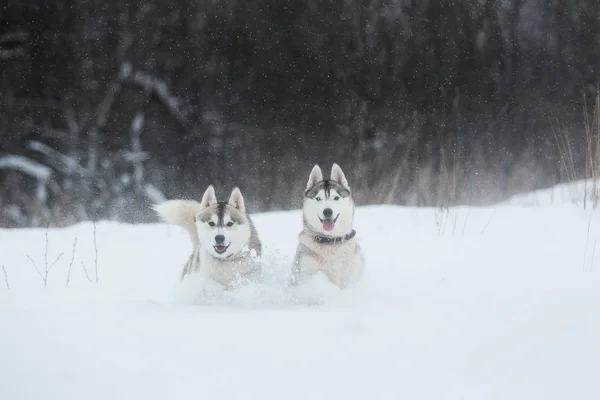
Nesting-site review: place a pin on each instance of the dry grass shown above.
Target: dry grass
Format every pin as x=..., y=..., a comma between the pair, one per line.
x=562, y=138
x=592, y=155
x=569, y=153
x=567, y=168
x=95, y=253
x=47, y=267
x=71, y=263
x=6, y=278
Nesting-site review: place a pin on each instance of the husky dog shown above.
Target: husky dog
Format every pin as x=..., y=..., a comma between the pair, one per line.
x=226, y=245
x=327, y=243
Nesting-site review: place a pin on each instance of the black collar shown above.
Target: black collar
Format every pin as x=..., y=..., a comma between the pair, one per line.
x=335, y=240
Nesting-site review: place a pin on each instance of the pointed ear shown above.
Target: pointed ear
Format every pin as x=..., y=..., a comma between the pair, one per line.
x=315, y=177
x=237, y=200
x=338, y=176
x=209, y=198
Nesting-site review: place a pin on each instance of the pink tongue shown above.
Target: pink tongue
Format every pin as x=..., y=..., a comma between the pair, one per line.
x=328, y=224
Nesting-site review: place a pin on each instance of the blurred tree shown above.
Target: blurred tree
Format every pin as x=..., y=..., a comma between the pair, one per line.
x=111, y=106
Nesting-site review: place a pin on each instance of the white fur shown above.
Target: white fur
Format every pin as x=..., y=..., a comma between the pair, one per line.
x=226, y=268
x=237, y=200
x=342, y=263
x=209, y=197
x=181, y=213
x=338, y=175
x=229, y=273
x=236, y=236
x=316, y=176
x=344, y=207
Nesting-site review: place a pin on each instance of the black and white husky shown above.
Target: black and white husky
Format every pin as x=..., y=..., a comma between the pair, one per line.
x=327, y=243
x=226, y=245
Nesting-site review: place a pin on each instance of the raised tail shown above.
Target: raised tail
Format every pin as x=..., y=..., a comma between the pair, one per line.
x=181, y=213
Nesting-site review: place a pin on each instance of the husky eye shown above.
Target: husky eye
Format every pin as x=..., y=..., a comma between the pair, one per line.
x=230, y=224
x=336, y=198
x=210, y=223
x=318, y=198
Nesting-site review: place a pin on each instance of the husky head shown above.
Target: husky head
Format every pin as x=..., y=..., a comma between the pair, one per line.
x=328, y=207
x=223, y=228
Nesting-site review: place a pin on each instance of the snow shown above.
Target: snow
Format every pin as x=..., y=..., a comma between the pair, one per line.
x=497, y=302
x=580, y=192
x=27, y=166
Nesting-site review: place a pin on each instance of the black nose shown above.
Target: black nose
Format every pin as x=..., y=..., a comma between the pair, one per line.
x=219, y=239
x=327, y=213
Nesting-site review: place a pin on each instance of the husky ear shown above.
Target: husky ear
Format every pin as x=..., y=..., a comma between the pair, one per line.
x=237, y=200
x=315, y=177
x=338, y=176
x=209, y=198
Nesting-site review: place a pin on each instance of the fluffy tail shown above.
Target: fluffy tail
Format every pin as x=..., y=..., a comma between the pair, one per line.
x=182, y=213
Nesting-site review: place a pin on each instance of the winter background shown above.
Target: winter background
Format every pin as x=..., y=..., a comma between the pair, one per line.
x=469, y=132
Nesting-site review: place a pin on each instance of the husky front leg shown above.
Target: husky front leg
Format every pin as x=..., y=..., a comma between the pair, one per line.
x=305, y=264
x=192, y=265
x=295, y=272
x=296, y=268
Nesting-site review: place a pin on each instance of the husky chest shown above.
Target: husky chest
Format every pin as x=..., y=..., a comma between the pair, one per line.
x=244, y=268
x=341, y=261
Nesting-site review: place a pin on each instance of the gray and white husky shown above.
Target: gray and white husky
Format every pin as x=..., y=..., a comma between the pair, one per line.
x=226, y=245
x=327, y=243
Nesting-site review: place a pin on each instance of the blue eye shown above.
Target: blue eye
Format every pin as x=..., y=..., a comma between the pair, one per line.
x=318, y=198
x=336, y=198
x=230, y=224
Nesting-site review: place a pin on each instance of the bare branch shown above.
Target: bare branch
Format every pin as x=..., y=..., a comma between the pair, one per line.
x=46, y=254
x=65, y=163
x=86, y=273
x=6, y=277
x=26, y=166
x=102, y=115
x=96, y=253
x=136, y=147
x=36, y=268
x=13, y=37
x=55, y=261
x=12, y=44
x=157, y=86
x=71, y=263
x=587, y=240
x=71, y=120
x=134, y=158
x=488, y=222
x=7, y=54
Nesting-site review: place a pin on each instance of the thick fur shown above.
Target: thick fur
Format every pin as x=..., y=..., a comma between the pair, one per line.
x=226, y=244
x=181, y=213
x=342, y=262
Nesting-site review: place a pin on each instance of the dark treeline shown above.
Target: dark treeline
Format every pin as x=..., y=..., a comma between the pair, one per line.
x=109, y=106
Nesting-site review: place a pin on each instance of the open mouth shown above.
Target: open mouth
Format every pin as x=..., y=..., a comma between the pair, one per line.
x=329, y=223
x=221, y=248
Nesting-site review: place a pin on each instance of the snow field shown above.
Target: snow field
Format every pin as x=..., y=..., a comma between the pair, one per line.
x=498, y=302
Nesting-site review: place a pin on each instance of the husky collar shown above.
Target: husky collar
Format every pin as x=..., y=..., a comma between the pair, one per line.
x=334, y=240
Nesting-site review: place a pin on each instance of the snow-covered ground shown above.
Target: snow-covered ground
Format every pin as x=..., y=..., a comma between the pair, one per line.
x=468, y=303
